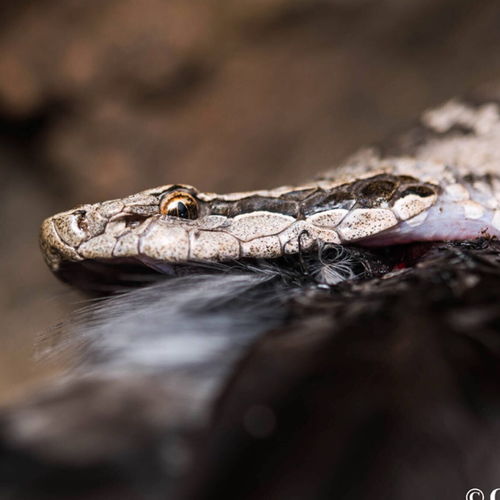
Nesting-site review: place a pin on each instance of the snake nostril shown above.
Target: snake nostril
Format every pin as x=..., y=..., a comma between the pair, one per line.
x=81, y=219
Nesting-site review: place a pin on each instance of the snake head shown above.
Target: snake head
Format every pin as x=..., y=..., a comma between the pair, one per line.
x=173, y=227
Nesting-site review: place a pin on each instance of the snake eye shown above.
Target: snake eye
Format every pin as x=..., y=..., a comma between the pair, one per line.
x=179, y=204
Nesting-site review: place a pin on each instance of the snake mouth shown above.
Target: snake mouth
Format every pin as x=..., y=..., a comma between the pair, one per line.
x=328, y=265
x=108, y=276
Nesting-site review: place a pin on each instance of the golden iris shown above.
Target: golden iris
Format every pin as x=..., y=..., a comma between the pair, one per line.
x=179, y=204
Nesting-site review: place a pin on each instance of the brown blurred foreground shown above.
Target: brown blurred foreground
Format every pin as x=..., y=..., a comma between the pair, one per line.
x=100, y=99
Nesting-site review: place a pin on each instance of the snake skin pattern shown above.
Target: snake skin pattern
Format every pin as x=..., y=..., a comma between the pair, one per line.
x=447, y=189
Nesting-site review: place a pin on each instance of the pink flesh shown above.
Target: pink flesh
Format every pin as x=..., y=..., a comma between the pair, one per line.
x=445, y=221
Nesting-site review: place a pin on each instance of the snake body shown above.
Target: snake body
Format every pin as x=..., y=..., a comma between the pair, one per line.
x=441, y=192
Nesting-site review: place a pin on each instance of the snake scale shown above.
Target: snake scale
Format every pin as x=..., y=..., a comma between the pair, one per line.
x=448, y=188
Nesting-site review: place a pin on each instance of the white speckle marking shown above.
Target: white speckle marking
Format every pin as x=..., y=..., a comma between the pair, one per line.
x=329, y=218
x=325, y=235
x=472, y=210
x=127, y=245
x=481, y=120
x=457, y=192
x=266, y=247
x=165, y=241
x=212, y=245
x=411, y=205
x=212, y=222
x=364, y=222
x=110, y=208
x=99, y=246
x=247, y=227
x=290, y=238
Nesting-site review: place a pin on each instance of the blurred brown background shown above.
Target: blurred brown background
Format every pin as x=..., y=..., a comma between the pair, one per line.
x=101, y=99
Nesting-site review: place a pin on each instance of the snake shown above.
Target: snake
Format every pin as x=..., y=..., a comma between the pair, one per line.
x=445, y=189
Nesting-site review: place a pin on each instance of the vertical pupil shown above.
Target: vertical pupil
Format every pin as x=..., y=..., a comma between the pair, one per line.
x=181, y=210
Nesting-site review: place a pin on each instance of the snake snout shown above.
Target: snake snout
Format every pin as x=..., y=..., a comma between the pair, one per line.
x=62, y=234
x=59, y=236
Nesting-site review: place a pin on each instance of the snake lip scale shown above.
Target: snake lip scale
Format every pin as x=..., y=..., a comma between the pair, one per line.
x=374, y=201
